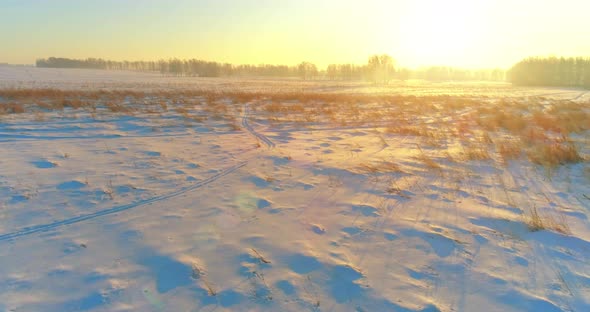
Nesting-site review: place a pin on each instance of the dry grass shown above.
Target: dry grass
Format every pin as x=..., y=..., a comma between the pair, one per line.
x=12, y=108
x=260, y=257
x=407, y=130
x=234, y=126
x=163, y=105
x=477, y=153
x=118, y=108
x=514, y=123
x=566, y=118
x=534, y=136
x=536, y=222
x=199, y=274
x=379, y=167
x=183, y=112
x=509, y=149
x=532, y=124
x=109, y=190
x=554, y=154
x=428, y=161
x=429, y=136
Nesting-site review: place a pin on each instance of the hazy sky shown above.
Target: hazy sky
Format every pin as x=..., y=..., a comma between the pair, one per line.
x=465, y=33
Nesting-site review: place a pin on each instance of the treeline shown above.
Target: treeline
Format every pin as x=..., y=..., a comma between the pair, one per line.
x=378, y=69
x=173, y=67
x=551, y=71
x=445, y=73
x=432, y=73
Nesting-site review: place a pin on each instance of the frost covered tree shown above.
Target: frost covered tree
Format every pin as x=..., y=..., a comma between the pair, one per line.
x=551, y=71
x=381, y=68
x=307, y=70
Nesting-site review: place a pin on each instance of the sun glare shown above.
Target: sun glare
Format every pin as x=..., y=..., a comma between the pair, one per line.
x=441, y=31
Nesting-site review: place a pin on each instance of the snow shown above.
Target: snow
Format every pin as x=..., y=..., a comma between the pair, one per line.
x=68, y=79
x=151, y=212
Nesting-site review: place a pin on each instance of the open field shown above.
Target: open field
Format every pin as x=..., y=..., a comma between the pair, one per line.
x=83, y=79
x=123, y=191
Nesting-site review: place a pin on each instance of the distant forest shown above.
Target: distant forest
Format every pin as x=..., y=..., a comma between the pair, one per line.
x=551, y=71
x=534, y=71
x=379, y=69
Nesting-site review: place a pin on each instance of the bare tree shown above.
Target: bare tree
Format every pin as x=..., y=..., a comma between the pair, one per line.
x=381, y=68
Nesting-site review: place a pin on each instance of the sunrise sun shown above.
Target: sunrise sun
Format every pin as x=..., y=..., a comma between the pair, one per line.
x=441, y=31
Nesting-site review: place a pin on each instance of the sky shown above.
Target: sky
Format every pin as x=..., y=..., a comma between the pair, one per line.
x=460, y=33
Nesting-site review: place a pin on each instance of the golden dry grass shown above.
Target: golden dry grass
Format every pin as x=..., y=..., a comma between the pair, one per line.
x=12, y=108
x=509, y=149
x=476, y=152
x=554, y=154
x=537, y=222
x=378, y=167
x=538, y=128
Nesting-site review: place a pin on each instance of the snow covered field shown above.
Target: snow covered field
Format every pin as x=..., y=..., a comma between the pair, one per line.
x=194, y=194
x=68, y=79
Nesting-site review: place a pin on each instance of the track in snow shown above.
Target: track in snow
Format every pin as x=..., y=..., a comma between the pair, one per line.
x=246, y=125
x=49, y=226
x=579, y=96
